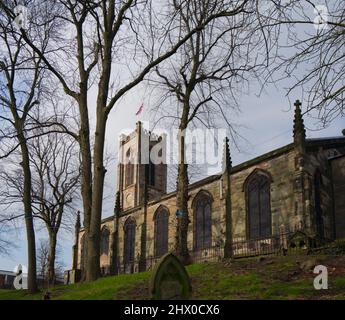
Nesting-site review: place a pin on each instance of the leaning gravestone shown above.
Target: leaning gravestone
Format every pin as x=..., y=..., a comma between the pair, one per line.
x=170, y=280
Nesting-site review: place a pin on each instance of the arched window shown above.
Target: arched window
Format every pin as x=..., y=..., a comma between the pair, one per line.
x=202, y=205
x=105, y=241
x=161, y=222
x=318, y=203
x=129, y=245
x=258, y=205
x=129, y=169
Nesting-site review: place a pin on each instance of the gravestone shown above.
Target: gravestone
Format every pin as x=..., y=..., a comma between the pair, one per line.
x=299, y=240
x=170, y=280
x=66, y=277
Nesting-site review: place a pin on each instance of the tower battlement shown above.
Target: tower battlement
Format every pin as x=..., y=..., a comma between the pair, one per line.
x=141, y=161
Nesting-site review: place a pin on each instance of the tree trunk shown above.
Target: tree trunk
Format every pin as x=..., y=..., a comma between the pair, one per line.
x=86, y=160
x=30, y=232
x=93, y=266
x=51, y=258
x=183, y=220
x=181, y=246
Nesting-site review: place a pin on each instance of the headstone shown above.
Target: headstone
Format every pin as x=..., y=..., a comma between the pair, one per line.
x=47, y=296
x=170, y=280
x=299, y=240
x=66, y=277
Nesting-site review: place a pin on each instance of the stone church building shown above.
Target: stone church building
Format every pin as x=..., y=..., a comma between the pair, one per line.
x=260, y=204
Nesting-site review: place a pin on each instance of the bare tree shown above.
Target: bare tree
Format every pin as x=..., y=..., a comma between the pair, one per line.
x=55, y=173
x=107, y=35
x=43, y=252
x=195, y=173
x=5, y=244
x=42, y=258
x=310, y=53
x=22, y=89
x=20, y=83
x=205, y=77
x=8, y=230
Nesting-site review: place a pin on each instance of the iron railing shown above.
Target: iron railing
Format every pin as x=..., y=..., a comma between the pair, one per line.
x=211, y=254
x=241, y=247
x=275, y=245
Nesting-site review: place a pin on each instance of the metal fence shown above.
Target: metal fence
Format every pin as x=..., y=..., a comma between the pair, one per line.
x=131, y=266
x=242, y=247
x=212, y=254
x=280, y=244
x=275, y=245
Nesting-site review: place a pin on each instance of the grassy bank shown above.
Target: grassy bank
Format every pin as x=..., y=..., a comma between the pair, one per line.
x=288, y=277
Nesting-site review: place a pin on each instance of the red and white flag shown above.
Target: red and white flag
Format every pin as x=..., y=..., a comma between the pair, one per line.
x=140, y=109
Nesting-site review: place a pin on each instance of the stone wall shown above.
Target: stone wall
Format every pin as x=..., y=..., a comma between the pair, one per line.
x=317, y=160
x=281, y=166
x=280, y=169
x=338, y=174
x=169, y=201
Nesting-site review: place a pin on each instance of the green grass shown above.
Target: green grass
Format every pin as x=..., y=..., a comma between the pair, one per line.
x=17, y=295
x=107, y=288
x=104, y=289
x=270, y=278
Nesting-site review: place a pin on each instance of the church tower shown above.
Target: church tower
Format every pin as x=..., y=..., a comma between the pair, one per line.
x=142, y=160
